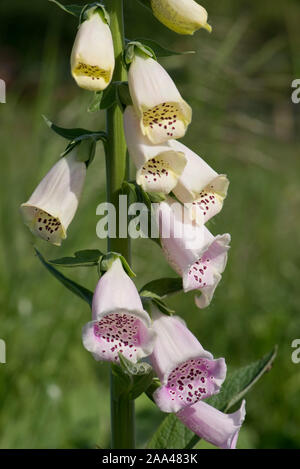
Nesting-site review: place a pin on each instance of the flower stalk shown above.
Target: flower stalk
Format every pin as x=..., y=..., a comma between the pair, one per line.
x=122, y=409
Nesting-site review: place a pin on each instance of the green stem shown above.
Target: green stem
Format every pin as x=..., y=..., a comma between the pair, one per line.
x=122, y=409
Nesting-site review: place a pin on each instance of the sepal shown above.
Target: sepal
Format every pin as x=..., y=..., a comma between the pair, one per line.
x=108, y=259
x=136, y=48
x=91, y=8
x=140, y=376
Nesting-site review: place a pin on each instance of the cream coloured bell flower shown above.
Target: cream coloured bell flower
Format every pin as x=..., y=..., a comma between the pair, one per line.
x=162, y=112
x=158, y=166
x=200, y=186
x=92, y=57
x=53, y=204
x=195, y=254
x=181, y=16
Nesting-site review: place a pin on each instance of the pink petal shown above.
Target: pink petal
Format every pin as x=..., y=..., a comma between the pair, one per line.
x=190, y=382
x=206, y=270
x=118, y=332
x=217, y=428
x=187, y=372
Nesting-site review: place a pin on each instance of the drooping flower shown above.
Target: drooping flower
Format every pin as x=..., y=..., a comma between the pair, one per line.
x=120, y=324
x=200, y=186
x=193, y=252
x=92, y=57
x=181, y=16
x=162, y=112
x=219, y=429
x=53, y=204
x=187, y=372
x=158, y=166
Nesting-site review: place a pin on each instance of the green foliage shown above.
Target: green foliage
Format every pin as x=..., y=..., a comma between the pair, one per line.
x=159, y=50
x=163, y=286
x=145, y=3
x=148, y=297
x=159, y=289
x=173, y=434
x=84, y=258
x=76, y=134
x=74, y=287
x=95, y=104
x=116, y=92
x=241, y=381
x=74, y=10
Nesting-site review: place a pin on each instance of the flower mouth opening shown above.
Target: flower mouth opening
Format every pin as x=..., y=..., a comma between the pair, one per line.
x=209, y=201
x=43, y=224
x=119, y=333
x=161, y=173
x=165, y=120
x=188, y=383
x=92, y=71
x=207, y=205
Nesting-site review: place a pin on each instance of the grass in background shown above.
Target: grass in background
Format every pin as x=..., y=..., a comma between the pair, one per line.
x=52, y=392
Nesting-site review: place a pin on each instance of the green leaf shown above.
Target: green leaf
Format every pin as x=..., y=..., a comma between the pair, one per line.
x=156, y=197
x=105, y=99
x=86, y=150
x=163, y=286
x=140, y=384
x=74, y=10
x=160, y=51
x=146, y=4
x=143, y=196
x=75, y=134
x=85, y=258
x=94, y=106
x=123, y=94
x=147, y=297
x=240, y=382
x=74, y=287
x=163, y=307
x=173, y=434
x=128, y=188
x=109, y=96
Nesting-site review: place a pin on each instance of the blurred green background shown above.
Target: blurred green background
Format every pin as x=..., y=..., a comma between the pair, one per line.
x=52, y=392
